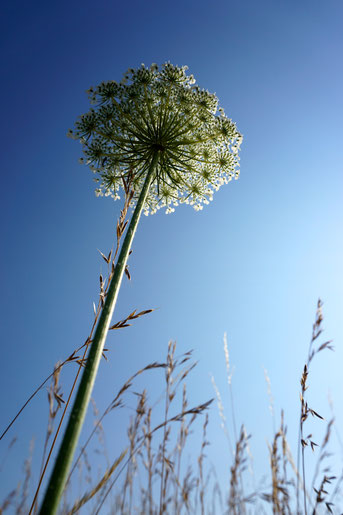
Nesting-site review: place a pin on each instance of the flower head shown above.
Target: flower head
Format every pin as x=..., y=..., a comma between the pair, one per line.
x=159, y=111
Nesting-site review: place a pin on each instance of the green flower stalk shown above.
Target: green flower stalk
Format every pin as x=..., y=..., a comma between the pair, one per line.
x=158, y=130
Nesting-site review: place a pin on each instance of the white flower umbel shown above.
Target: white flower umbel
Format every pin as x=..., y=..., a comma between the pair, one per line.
x=166, y=137
x=159, y=111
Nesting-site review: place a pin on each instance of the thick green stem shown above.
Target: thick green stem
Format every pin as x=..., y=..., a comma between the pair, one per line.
x=66, y=452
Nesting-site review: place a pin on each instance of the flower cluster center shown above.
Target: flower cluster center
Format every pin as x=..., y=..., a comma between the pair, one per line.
x=158, y=146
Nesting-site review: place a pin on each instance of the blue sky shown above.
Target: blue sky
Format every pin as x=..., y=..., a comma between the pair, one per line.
x=253, y=263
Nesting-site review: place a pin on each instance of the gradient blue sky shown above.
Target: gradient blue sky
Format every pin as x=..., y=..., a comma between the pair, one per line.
x=253, y=263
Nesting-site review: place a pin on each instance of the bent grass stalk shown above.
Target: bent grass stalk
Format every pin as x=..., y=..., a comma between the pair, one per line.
x=66, y=452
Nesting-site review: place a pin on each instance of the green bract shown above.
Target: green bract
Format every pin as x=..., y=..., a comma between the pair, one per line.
x=159, y=112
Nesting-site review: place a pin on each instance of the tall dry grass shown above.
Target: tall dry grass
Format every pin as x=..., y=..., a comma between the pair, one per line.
x=153, y=475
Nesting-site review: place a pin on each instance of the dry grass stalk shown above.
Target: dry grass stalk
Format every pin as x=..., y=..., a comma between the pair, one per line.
x=9, y=500
x=236, y=501
x=323, y=453
x=99, y=430
x=180, y=444
x=132, y=435
x=201, y=481
x=89, y=495
x=229, y=371
x=322, y=493
x=21, y=508
x=270, y=395
x=279, y=497
x=55, y=399
x=148, y=463
x=132, y=316
x=169, y=398
x=182, y=488
x=170, y=474
x=305, y=409
x=222, y=415
x=286, y=459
